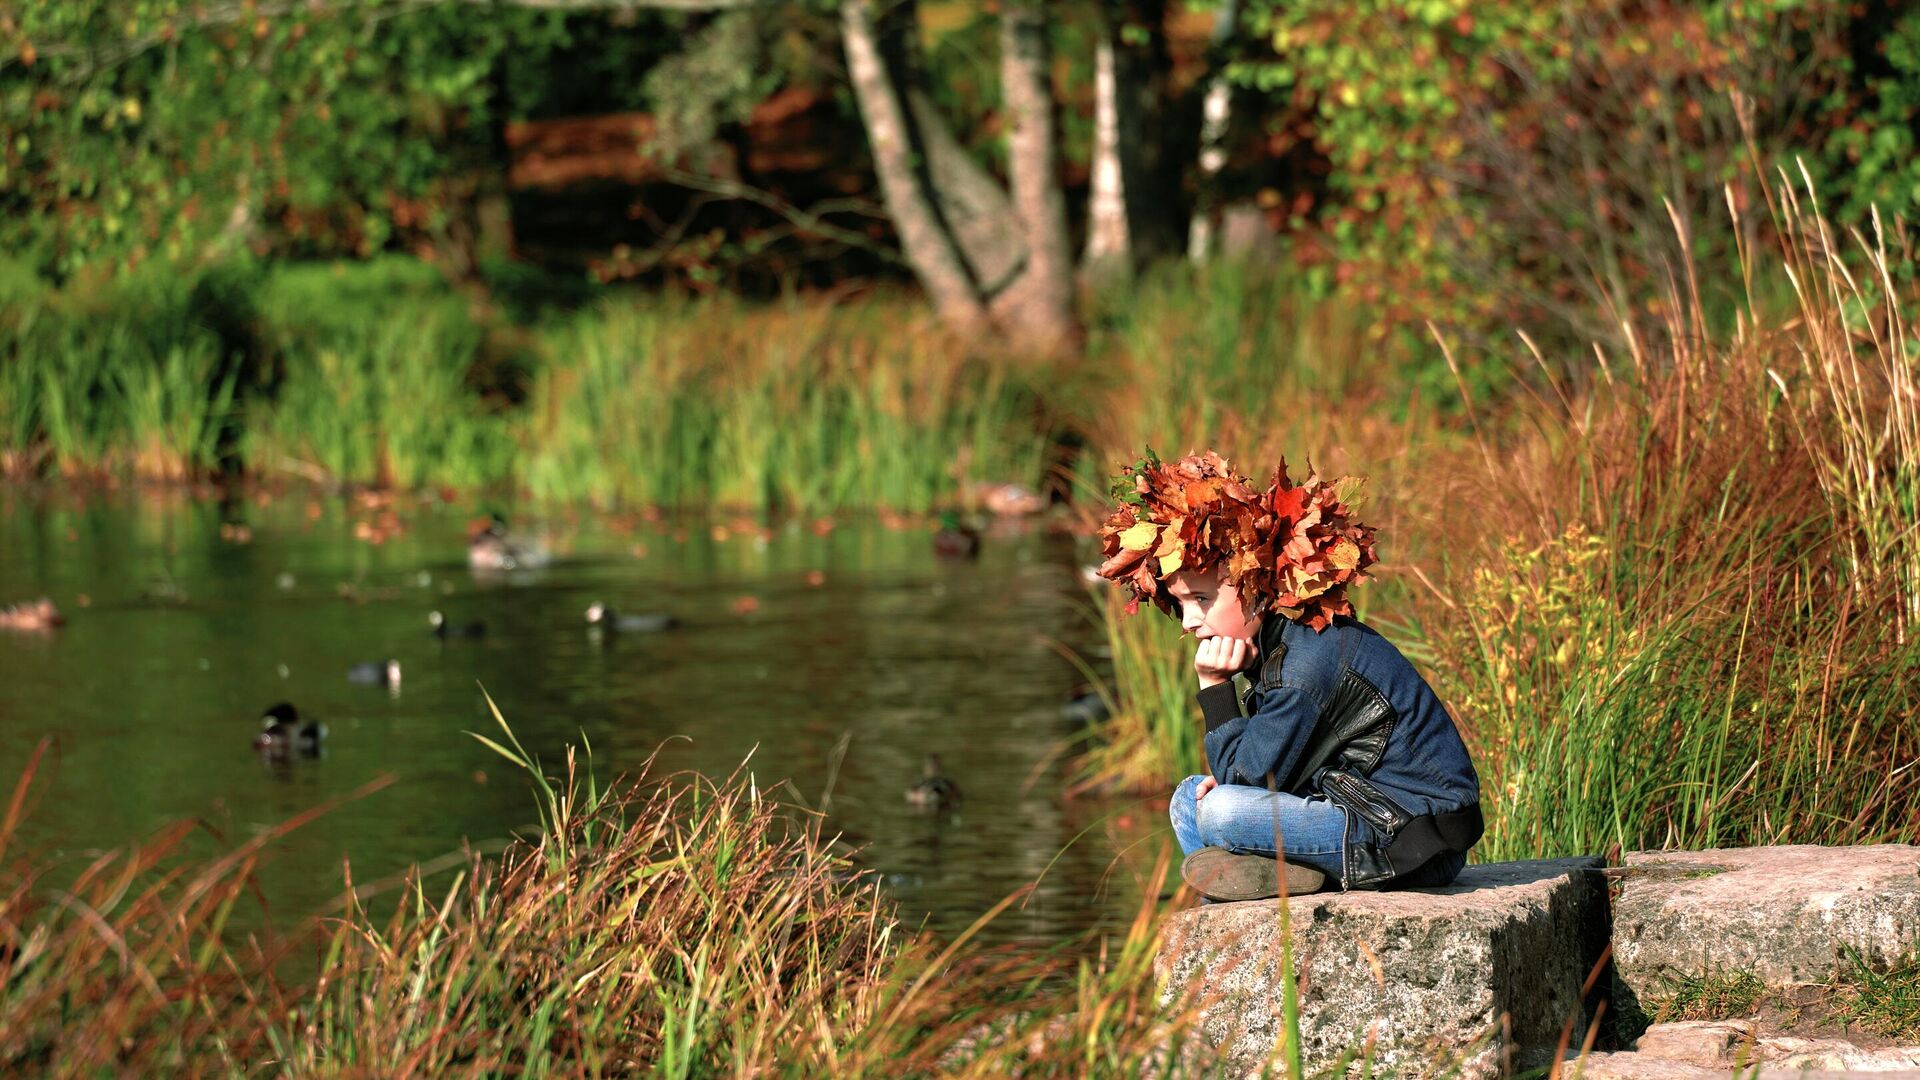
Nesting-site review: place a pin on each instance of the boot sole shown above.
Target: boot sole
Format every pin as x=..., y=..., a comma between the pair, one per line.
x=1219, y=874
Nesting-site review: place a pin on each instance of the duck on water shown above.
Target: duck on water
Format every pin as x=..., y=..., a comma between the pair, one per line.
x=491, y=547
x=442, y=627
x=933, y=791
x=375, y=673
x=282, y=732
x=603, y=617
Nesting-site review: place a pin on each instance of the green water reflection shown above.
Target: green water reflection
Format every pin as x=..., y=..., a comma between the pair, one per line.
x=154, y=686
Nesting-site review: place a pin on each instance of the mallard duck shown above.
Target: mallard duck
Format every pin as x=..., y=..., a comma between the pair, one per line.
x=442, y=628
x=933, y=791
x=1011, y=500
x=375, y=673
x=605, y=618
x=282, y=732
x=954, y=539
x=491, y=547
x=31, y=615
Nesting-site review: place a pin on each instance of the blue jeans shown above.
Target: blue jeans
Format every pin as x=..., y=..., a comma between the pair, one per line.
x=1308, y=831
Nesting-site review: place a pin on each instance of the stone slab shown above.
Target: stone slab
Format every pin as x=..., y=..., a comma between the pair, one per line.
x=1490, y=966
x=1625, y=1066
x=1727, y=1044
x=1785, y=914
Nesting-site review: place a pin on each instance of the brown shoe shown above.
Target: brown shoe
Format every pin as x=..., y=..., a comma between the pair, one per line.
x=1219, y=874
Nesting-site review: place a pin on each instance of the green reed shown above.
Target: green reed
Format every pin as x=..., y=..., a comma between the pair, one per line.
x=116, y=380
x=675, y=402
x=385, y=404
x=1152, y=739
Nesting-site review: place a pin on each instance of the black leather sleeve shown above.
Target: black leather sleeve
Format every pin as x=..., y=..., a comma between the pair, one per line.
x=1219, y=704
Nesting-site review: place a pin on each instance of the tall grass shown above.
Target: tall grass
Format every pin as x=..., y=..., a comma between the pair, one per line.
x=677, y=927
x=1151, y=739
x=386, y=404
x=382, y=374
x=112, y=380
x=1672, y=607
x=1694, y=626
x=794, y=405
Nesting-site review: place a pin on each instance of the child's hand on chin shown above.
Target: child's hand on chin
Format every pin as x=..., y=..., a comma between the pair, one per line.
x=1218, y=659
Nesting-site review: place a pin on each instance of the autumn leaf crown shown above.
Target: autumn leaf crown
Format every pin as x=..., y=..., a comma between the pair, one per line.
x=1289, y=545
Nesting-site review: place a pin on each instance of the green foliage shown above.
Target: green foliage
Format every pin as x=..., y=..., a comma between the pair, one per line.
x=1868, y=155
x=158, y=130
x=1510, y=162
x=379, y=372
x=120, y=376
x=1714, y=996
x=717, y=78
x=1884, y=1001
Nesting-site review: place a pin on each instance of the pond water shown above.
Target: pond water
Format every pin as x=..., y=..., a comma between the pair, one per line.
x=795, y=640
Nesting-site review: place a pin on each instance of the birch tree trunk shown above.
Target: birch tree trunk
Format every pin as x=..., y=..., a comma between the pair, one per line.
x=1134, y=208
x=1214, y=115
x=987, y=258
x=924, y=237
x=1038, y=310
x=1109, y=244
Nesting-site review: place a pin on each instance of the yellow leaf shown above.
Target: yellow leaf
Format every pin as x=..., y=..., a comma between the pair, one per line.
x=1171, y=563
x=1140, y=537
x=1344, y=555
x=1353, y=491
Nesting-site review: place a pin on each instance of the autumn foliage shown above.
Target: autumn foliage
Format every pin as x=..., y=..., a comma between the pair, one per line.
x=1287, y=545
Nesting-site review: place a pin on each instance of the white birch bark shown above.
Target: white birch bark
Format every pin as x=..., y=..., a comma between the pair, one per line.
x=924, y=238
x=1038, y=310
x=1215, y=112
x=1109, y=246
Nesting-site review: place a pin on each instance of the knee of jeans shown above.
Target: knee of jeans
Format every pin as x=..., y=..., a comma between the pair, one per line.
x=1182, y=806
x=1207, y=812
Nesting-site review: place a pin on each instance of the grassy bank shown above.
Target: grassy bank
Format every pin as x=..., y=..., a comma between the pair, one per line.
x=380, y=374
x=1670, y=605
x=670, y=926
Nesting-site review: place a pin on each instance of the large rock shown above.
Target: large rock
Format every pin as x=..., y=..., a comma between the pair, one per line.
x=1785, y=914
x=1711, y=1048
x=1491, y=965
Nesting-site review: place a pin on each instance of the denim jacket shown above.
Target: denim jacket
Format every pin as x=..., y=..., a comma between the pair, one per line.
x=1340, y=713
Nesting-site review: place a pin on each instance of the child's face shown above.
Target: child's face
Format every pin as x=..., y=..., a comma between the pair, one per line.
x=1209, y=607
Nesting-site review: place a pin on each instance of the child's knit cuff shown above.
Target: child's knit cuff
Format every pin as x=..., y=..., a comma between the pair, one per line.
x=1219, y=704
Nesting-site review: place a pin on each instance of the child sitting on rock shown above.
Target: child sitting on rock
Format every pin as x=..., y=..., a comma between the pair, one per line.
x=1340, y=762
